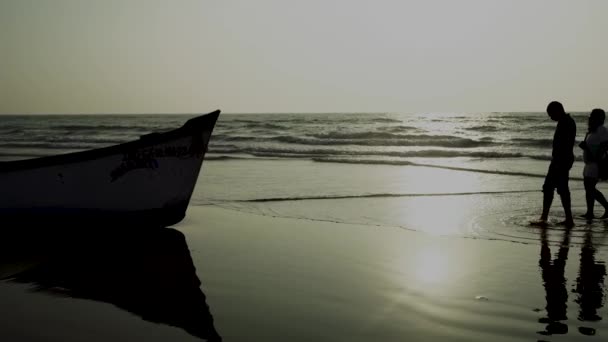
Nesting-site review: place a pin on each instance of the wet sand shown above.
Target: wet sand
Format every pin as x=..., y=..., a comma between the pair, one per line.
x=283, y=279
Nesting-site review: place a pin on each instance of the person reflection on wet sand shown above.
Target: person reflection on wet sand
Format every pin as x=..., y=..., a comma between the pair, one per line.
x=589, y=289
x=589, y=285
x=554, y=282
x=148, y=272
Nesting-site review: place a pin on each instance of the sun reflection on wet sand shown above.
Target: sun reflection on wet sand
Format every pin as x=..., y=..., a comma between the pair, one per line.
x=444, y=215
x=431, y=266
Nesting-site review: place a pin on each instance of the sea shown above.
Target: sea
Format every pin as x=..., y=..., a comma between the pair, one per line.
x=472, y=175
x=362, y=138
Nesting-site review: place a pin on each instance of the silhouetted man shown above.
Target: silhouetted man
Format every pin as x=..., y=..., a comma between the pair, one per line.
x=562, y=159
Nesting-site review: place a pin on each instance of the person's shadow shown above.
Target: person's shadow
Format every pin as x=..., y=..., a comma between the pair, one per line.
x=589, y=285
x=148, y=272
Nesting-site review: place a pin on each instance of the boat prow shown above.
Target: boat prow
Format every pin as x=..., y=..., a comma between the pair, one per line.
x=147, y=181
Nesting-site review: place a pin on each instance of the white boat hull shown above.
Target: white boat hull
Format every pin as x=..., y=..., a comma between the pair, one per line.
x=151, y=179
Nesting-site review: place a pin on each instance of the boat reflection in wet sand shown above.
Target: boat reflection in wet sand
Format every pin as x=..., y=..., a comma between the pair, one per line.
x=149, y=274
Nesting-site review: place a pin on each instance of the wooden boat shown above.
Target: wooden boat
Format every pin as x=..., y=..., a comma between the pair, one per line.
x=148, y=181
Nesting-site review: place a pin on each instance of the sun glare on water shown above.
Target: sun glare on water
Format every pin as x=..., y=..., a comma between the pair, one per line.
x=442, y=215
x=432, y=265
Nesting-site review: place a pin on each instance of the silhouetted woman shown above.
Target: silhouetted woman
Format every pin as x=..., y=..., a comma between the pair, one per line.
x=593, y=147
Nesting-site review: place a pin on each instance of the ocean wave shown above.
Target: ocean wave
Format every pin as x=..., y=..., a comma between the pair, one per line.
x=222, y=157
x=314, y=153
x=384, y=120
x=6, y=141
x=483, y=128
x=445, y=167
x=14, y=132
x=27, y=154
x=55, y=145
x=253, y=124
x=295, y=120
x=236, y=138
x=337, y=135
x=110, y=128
x=290, y=155
x=524, y=116
x=245, y=121
x=533, y=142
x=541, y=127
x=384, y=139
x=265, y=125
x=451, y=143
x=315, y=119
x=380, y=195
x=361, y=139
x=399, y=129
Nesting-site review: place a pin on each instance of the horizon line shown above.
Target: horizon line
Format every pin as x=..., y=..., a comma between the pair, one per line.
x=295, y=112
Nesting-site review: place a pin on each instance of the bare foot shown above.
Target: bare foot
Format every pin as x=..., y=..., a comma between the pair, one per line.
x=539, y=223
x=566, y=223
x=588, y=216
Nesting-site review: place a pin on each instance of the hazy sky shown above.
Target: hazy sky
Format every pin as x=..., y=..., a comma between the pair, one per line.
x=176, y=56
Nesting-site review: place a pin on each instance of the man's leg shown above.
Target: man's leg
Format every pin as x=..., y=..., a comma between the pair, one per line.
x=547, y=200
x=548, y=189
x=565, y=196
x=564, y=193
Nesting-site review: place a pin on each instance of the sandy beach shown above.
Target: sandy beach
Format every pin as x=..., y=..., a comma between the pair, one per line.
x=278, y=279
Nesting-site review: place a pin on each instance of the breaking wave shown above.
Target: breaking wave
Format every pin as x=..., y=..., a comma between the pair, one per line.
x=108, y=127
x=380, y=195
x=533, y=142
x=399, y=129
x=308, y=153
x=396, y=141
x=362, y=139
x=483, y=128
x=445, y=167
